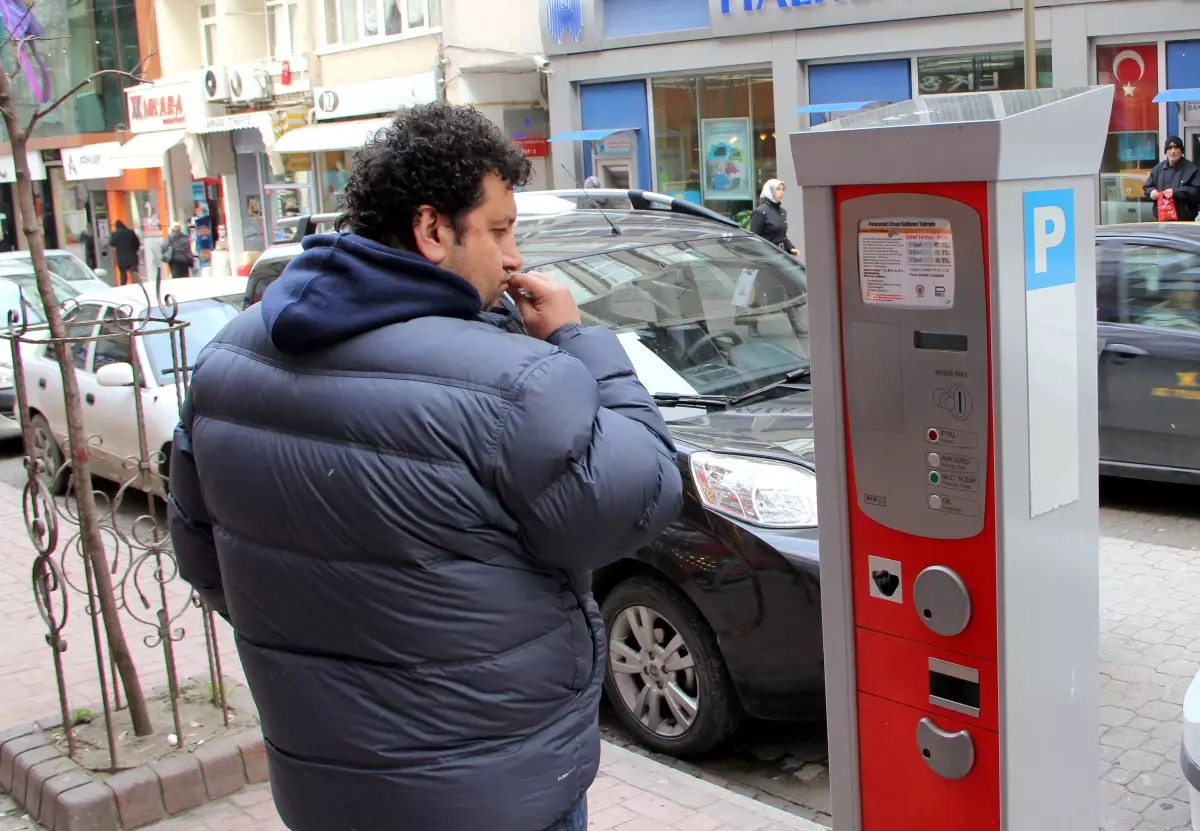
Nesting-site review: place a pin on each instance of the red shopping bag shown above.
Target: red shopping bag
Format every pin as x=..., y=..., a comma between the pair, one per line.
x=1166, y=210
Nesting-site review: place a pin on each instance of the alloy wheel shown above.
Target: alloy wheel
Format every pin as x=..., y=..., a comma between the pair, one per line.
x=654, y=671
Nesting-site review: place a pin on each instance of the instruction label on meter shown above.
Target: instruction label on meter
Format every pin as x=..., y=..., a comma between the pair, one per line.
x=906, y=262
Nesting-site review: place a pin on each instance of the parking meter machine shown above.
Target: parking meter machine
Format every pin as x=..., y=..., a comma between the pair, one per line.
x=950, y=253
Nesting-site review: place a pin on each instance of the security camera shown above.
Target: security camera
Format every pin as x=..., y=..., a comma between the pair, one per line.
x=541, y=61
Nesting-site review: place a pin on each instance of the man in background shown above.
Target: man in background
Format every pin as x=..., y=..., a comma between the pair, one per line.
x=126, y=246
x=1177, y=179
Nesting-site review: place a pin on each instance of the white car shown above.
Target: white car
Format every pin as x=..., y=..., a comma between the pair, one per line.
x=61, y=263
x=106, y=374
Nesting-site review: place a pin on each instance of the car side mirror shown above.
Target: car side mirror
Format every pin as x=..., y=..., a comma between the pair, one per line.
x=102, y=273
x=115, y=375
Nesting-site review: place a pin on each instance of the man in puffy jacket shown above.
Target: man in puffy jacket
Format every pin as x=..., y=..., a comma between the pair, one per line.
x=397, y=502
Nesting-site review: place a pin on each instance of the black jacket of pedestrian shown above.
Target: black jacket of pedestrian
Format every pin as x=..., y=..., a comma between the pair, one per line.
x=1184, y=179
x=769, y=221
x=125, y=245
x=398, y=503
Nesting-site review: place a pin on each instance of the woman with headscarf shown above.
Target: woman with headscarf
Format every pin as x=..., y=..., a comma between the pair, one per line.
x=769, y=219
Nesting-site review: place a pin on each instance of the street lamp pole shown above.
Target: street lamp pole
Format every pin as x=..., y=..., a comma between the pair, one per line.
x=1030, y=46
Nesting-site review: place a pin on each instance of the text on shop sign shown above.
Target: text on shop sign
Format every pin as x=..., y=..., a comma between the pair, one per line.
x=167, y=107
x=757, y=5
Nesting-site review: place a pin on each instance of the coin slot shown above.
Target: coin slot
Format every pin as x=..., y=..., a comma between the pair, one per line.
x=954, y=687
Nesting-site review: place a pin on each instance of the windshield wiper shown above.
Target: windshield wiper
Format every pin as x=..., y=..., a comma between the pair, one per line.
x=675, y=399
x=801, y=374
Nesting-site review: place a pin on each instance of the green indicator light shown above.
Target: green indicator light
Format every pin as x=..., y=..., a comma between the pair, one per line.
x=934, y=478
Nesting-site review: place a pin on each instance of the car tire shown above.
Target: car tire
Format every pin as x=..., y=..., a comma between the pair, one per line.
x=659, y=611
x=46, y=446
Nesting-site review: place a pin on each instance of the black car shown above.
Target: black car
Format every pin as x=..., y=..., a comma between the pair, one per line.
x=719, y=617
x=1148, y=348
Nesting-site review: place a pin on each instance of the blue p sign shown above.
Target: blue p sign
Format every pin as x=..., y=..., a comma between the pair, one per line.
x=1049, y=238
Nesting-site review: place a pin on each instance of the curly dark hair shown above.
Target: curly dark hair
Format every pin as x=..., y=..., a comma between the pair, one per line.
x=431, y=154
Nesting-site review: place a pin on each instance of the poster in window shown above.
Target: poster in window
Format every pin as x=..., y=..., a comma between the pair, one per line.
x=728, y=159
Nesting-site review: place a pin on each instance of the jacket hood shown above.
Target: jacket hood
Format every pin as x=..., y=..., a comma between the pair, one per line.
x=343, y=285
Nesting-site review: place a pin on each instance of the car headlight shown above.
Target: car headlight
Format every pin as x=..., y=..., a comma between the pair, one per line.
x=6, y=376
x=758, y=491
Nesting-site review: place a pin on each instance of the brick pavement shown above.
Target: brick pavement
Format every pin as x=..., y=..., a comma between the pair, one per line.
x=632, y=793
x=1150, y=650
x=27, y=688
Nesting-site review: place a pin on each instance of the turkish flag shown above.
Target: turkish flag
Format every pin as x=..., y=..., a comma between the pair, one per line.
x=1133, y=70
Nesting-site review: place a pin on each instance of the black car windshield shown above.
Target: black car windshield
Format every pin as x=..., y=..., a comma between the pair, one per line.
x=206, y=318
x=716, y=316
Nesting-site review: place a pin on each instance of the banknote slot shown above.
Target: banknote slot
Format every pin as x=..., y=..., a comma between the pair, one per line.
x=940, y=341
x=954, y=687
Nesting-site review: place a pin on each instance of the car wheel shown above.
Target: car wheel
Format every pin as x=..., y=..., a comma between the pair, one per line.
x=46, y=449
x=665, y=676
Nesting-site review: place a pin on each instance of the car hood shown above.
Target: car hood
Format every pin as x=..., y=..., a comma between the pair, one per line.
x=778, y=426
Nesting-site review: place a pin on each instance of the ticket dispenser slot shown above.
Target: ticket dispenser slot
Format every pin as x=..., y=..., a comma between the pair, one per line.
x=954, y=687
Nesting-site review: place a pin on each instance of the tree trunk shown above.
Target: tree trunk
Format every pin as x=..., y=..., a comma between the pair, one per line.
x=89, y=520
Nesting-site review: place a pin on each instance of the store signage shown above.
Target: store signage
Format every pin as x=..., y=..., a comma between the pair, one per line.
x=37, y=169
x=161, y=106
x=260, y=120
x=382, y=97
x=534, y=147
x=1191, y=113
x=565, y=17
x=757, y=5
x=92, y=161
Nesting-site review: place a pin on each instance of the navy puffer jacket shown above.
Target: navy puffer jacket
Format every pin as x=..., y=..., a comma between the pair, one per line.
x=397, y=504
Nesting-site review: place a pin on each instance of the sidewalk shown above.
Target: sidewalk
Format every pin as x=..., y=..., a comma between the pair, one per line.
x=632, y=793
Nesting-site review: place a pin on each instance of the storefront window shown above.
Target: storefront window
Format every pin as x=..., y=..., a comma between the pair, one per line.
x=1133, y=145
x=335, y=173
x=287, y=193
x=980, y=72
x=71, y=212
x=715, y=139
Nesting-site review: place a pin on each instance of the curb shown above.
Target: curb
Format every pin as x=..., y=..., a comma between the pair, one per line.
x=62, y=795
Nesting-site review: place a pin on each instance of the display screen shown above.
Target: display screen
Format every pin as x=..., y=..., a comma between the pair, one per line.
x=941, y=341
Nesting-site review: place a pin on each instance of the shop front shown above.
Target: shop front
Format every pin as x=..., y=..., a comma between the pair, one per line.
x=89, y=181
x=314, y=161
x=10, y=239
x=705, y=87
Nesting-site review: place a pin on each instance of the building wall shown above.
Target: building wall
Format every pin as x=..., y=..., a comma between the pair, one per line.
x=1071, y=30
x=178, y=23
x=508, y=27
x=347, y=65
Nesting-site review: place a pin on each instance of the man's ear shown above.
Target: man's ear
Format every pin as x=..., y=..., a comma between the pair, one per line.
x=432, y=235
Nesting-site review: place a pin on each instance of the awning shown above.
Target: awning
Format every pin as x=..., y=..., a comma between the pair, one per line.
x=336, y=135
x=1177, y=96
x=147, y=149
x=591, y=135
x=833, y=108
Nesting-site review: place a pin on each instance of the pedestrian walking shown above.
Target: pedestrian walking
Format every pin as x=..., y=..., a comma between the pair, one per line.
x=177, y=252
x=126, y=247
x=769, y=219
x=1174, y=185
x=397, y=503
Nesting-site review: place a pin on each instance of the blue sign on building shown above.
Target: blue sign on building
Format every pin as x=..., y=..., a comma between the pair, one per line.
x=757, y=5
x=564, y=17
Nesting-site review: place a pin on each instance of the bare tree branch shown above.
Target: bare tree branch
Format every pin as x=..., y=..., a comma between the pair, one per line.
x=134, y=75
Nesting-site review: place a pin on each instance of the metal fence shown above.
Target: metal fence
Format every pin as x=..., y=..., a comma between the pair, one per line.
x=138, y=557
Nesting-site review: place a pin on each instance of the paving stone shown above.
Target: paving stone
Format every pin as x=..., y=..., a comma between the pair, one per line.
x=38, y=775
x=11, y=750
x=254, y=757
x=1154, y=785
x=53, y=789
x=22, y=765
x=90, y=807
x=221, y=766
x=182, y=782
x=139, y=797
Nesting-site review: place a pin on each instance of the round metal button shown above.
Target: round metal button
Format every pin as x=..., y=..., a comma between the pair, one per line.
x=935, y=502
x=934, y=460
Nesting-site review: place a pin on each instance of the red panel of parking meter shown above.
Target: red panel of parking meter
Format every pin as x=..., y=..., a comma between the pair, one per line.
x=914, y=292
